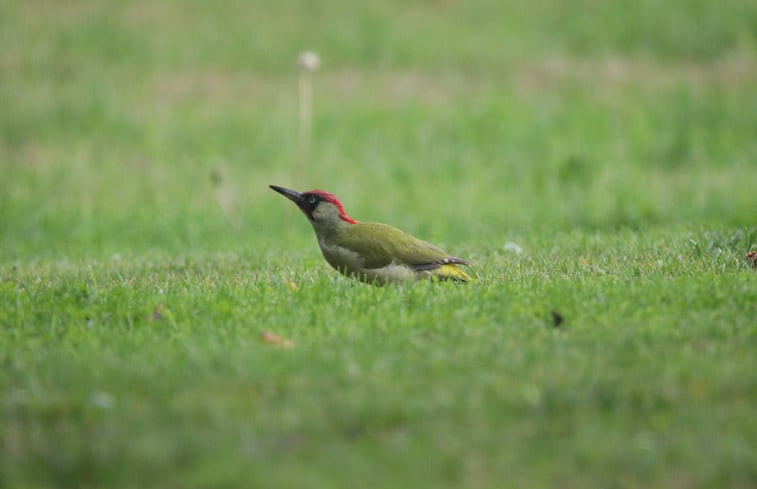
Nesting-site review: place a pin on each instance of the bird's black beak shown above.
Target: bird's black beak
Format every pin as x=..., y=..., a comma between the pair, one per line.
x=292, y=195
x=297, y=198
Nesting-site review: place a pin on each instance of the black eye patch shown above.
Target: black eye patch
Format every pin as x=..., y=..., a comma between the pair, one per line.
x=311, y=201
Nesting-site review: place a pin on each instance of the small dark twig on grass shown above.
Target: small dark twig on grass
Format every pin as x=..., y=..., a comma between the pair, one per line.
x=557, y=319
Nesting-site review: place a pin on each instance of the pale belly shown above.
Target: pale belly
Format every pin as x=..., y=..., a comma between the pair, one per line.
x=349, y=263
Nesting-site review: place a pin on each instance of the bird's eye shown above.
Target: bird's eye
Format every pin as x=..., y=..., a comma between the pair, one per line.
x=311, y=199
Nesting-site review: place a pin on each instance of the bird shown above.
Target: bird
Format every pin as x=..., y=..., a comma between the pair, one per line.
x=369, y=251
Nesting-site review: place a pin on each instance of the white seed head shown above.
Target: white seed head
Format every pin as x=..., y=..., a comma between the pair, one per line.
x=309, y=61
x=514, y=247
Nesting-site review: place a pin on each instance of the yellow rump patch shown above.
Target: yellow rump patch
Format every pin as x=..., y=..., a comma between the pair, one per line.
x=451, y=271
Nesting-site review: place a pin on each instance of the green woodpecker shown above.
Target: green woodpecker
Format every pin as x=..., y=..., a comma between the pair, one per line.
x=369, y=251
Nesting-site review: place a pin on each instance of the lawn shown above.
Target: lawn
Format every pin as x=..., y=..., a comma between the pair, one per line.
x=166, y=320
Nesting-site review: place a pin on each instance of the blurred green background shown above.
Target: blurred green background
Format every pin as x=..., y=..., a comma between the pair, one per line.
x=488, y=118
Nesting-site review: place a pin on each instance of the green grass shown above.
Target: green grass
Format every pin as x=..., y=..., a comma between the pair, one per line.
x=142, y=254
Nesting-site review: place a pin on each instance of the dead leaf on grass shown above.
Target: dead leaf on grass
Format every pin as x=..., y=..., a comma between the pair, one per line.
x=275, y=340
x=751, y=258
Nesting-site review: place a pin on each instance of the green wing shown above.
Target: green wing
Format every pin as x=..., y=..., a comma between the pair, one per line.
x=394, y=246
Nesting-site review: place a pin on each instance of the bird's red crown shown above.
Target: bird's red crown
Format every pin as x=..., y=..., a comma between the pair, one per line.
x=329, y=197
